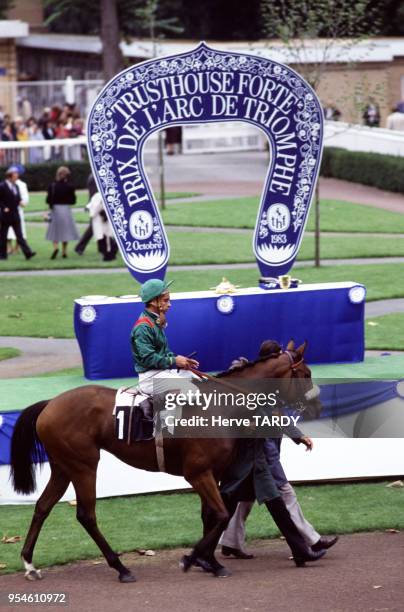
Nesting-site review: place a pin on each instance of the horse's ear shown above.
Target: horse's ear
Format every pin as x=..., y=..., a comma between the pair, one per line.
x=291, y=345
x=300, y=350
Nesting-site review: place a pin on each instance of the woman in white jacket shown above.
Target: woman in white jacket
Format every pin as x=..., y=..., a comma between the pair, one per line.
x=102, y=228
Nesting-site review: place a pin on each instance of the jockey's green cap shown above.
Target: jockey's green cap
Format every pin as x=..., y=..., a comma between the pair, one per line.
x=152, y=288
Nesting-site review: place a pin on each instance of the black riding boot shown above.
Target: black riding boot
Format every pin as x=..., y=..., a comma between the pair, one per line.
x=286, y=526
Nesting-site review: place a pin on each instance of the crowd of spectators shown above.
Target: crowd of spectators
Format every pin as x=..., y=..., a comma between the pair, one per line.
x=55, y=122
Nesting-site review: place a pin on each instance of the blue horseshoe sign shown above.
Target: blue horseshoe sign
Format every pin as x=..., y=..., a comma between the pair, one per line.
x=203, y=86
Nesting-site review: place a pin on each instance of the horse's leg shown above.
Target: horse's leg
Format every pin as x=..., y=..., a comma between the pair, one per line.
x=216, y=518
x=85, y=486
x=54, y=490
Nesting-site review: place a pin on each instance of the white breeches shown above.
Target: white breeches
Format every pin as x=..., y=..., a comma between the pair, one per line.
x=153, y=382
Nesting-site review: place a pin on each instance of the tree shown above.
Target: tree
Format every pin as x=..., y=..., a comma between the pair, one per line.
x=112, y=57
x=112, y=20
x=311, y=30
x=5, y=6
x=158, y=27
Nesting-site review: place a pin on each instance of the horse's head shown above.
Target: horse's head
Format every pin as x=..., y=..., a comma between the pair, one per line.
x=296, y=389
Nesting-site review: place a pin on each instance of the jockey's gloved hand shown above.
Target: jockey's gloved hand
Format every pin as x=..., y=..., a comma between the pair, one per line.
x=186, y=362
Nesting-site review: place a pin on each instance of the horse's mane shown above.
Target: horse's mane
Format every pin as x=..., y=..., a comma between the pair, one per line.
x=248, y=364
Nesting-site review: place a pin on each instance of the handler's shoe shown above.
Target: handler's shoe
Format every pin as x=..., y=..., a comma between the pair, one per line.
x=324, y=543
x=300, y=560
x=236, y=552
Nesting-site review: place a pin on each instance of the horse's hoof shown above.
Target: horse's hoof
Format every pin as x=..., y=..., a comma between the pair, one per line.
x=127, y=577
x=222, y=572
x=33, y=575
x=185, y=563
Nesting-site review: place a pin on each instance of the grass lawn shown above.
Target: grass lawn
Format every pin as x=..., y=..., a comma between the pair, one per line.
x=147, y=521
x=385, y=332
x=43, y=306
x=37, y=201
x=335, y=216
x=203, y=248
x=8, y=353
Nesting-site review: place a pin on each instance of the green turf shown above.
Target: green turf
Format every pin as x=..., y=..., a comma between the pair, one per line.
x=386, y=332
x=204, y=248
x=374, y=367
x=16, y=394
x=335, y=216
x=65, y=372
x=43, y=306
x=168, y=521
x=8, y=353
x=37, y=201
x=79, y=216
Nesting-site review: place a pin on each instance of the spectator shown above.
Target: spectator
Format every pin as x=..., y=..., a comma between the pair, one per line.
x=23, y=189
x=331, y=112
x=61, y=196
x=88, y=234
x=173, y=139
x=400, y=106
x=10, y=200
x=371, y=114
x=48, y=129
x=102, y=229
x=35, y=154
x=395, y=121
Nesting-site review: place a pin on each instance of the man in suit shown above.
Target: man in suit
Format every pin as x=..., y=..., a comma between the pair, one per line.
x=10, y=200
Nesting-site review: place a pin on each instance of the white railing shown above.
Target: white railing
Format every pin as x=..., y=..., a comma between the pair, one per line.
x=217, y=137
x=208, y=138
x=363, y=138
x=38, y=151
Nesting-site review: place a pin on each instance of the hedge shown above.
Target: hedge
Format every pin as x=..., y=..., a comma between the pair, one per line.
x=39, y=176
x=383, y=171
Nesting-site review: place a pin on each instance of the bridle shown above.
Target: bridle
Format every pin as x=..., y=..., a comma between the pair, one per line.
x=293, y=364
x=300, y=404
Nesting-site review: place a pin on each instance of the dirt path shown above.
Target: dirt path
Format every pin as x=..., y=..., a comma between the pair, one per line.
x=363, y=573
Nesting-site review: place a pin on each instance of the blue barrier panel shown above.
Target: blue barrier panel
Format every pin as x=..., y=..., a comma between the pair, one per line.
x=221, y=328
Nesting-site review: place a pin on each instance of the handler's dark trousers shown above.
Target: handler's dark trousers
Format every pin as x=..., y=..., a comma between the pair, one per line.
x=12, y=219
x=286, y=526
x=84, y=240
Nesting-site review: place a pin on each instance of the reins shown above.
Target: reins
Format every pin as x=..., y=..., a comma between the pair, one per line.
x=219, y=381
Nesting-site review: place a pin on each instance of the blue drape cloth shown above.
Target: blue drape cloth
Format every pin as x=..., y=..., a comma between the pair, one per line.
x=322, y=314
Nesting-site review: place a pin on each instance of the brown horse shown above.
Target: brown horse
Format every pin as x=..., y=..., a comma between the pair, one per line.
x=74, y=426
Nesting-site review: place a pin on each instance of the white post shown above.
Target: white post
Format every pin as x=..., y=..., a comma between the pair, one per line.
x=69, y=90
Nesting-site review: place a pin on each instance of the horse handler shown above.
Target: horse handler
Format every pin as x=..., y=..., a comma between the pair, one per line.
x=154, y=361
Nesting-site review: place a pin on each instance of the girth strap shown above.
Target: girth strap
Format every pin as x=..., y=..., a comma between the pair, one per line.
x=159, y=441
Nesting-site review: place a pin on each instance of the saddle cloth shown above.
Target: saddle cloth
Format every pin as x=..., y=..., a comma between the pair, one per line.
x=131, y=424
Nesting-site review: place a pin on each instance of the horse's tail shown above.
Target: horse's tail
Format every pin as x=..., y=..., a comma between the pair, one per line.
x=26, y=449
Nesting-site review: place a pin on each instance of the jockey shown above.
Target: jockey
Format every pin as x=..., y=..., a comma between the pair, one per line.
x=154, y=361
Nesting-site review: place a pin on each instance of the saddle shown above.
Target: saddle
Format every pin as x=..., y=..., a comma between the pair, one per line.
x=135, y=420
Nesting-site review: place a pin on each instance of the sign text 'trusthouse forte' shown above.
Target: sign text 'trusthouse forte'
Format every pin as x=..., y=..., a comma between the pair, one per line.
x=201, y=86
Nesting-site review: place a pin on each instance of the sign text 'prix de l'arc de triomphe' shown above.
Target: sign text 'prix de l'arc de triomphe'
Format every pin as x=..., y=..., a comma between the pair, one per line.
x=200, y=86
